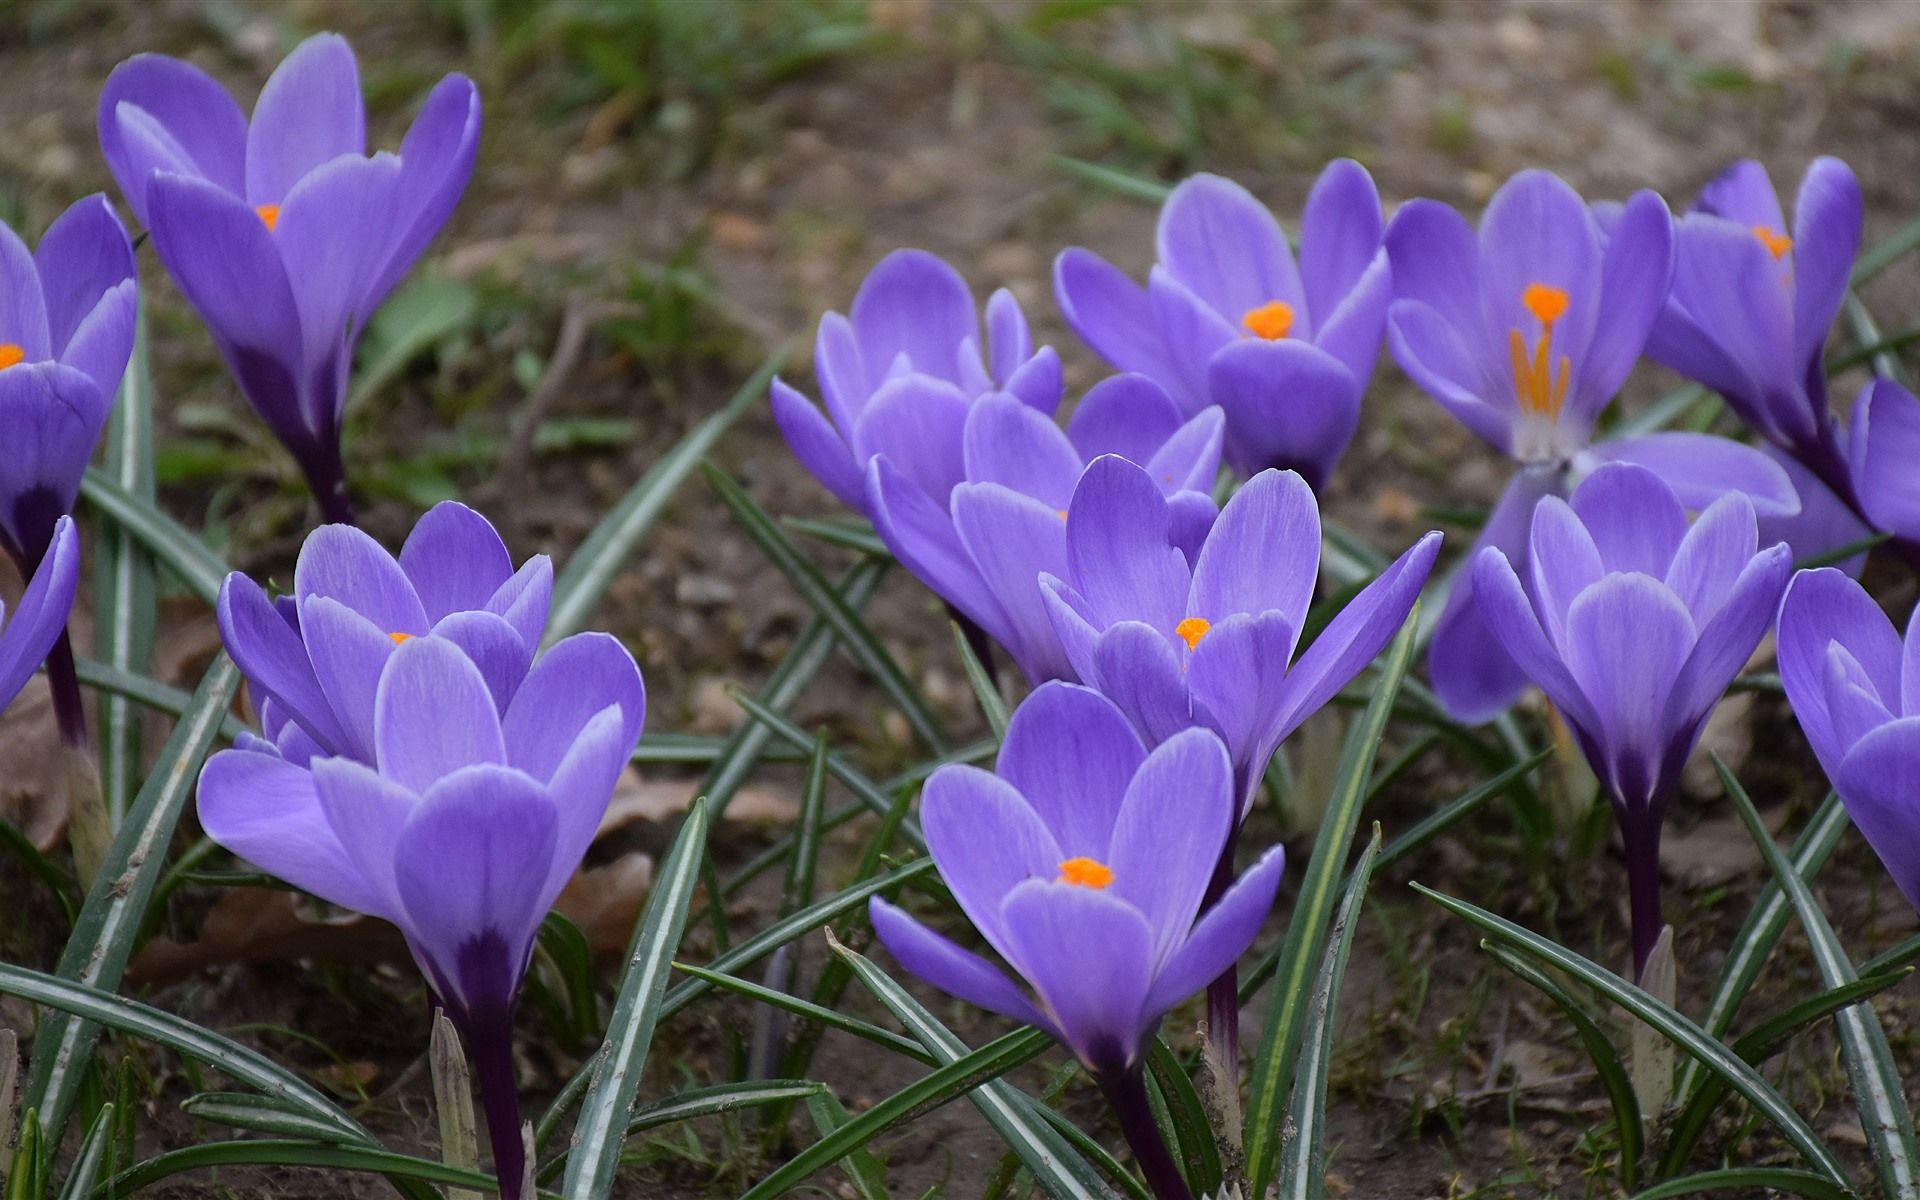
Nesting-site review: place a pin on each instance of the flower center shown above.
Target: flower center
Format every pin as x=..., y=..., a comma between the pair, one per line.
x=1777, y=244
x=1192, y=630
x=1271, y=320
x=1539, y=383
x=400, y=638
x=269, y=215
x=1086, y=873
x=11, y=354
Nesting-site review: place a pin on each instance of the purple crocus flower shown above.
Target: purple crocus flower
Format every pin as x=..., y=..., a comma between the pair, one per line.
x=1525, y=332
x=1227, y=317
x=462, y=830
x=984, y=549
x=1083, y=863
x=1883, y=444
x=901, y=374
x=1207, y=639
x=1633, y=624
x=1855, y=688
x=282, y=231
x=29, y=632
x=314, y=659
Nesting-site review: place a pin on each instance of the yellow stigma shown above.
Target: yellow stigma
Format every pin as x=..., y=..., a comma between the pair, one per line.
x=1538, y=382
x=1777, y=244
x=10, y=354
x=1192, y=630
x=1271, y=320
x=1086, y=873
x=269, y=215
x=398, y=638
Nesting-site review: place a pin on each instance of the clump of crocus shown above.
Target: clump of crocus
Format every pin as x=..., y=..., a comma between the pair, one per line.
x=1084, y=862
x=984, y=549
x=1855, y=689
x=901, y=373
x=1633, y=624
x=461, y=828
x=30, y=630
x=282, y=231
x=314, y=659
x=1525, y=333
x=1179, y=635
x=1227, y=317
x=66, y=332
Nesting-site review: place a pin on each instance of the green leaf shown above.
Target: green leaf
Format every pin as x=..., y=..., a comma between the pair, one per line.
x=601, y=1129
x=729, y=1097
x=864, y=1171
x=123, y=582
x=1284, y=1029
x=604, y=553
x=825, y=601
x=1878, y=1094
x=1303, y=1163
x=857, y=536
x=1192, y=1131
x=424, y=311
x=1605, y=1055
x=92, y=1157
x=993, y=706
x=811, y=1011
x=1113, y=179
x=1748, y=1181
x=171, y=543
x=266, y=1114
x=865, y=790
x=110, y=920
x=147, y=693
x=274, y=1152
x=1456, y=810
x=1689, y=1037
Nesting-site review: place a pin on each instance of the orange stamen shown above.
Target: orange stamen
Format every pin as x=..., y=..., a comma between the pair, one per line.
x=399, y=638
x=1777, y=244
x=1272, y=320
x=1085, y=872
x=269, y=215
x=1192, y=630
x=11, y=354
x=1539, y=382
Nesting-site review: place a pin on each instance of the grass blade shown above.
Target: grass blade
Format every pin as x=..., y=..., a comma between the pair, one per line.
x=1453, y=812
x=709, y=1101
x=864, y=1172
x=1748, y=1181
x=276, y=1152
x=172, y=544
x=1689, y=1037
x=865, y=790
x=604, y=552
x=93, y=1155
x=825, y=601
x=1303, y=1165
x=1192, y=1131
x=601, y=1129
x=1285, y=1026
x=116, y=907
x=123, y=583
x=265, y=1114
x=146, y=692
x=811, y=1011
x=1875, y=1081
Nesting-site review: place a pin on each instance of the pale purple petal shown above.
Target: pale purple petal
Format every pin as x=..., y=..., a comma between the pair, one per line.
x=1112, y=315
x=1018, y=447
x=1827, y=218
x=1013, y=540
x=1224, y=933
x=1009, y=342
x=946, y=966
x=1824, y=608
x=921, y=534
x=52, y=416
x=1340, y=233
x=1190, y=460
x=1824, y=523
x=1129, y=415
x=1191, y=332
x=265, y=810
x=342, y=562
x=1263, y=554
x=1742, y=193
x=1351, y=333
x=525, y=598
x=1562, y=562
x=1071, y=754
x=1227, y=249
x=1728, y=638
x=23, y=309
x=913, y=303
x=1885, y=452
x=987, y=840
x=1169, y=832
x=430, y=678
x=310, y=111
x=37, y=621
x=1088, y=956
x=1433, y=355
x=1711, y=557
x=1700, y=468
x=1633, y=290
x=1238, y=673
x=582, y=787
x=1119, y=551
x=436, y=160
x=367, y=814
x=1635, y=519
x=1039, y=382
x=454, y=559
x=271, y=655
x=917, y=422
x=1436, y=263
x=161, y=114
x=1878, y=781
x=349, y=652
x=568, y=687
x=1537, y=230
x=494, y=646
x=1288, y=404
x=333, y=235
x=83, y=256
x=1138, y=669
x=1628, y=691
x=818, y=445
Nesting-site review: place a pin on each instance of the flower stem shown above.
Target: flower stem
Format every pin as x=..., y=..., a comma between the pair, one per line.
x=1223, y=994
x=490, y=1048
x=1640, y=838
x=1126, y=1091
x=327, y=479
x=63, y=680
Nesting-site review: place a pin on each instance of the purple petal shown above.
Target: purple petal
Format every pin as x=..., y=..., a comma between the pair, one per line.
x=1878, y=781
x=1562, y=562
x=525, y=598
x=574, y=680
x=349, y=652
x=1636, y=521
x=161, y=114
x=1340, y=233
x=1191, y=516
x=1628, y=690
x=1088, y=956
x=40, y=617
x=1826, y=237
x=1263, y=554
x=946, y=966
x=818, y=445
x=1824, y=523
x=455, y=560
x=1731, y=289
x=1824, y=608
x=1191, y=332
x=1351, y=333
x=265, y=810
x=494, y=646
x=103, y=342
x=367, y=814
x=343, y=563
x=1221, y=936
x=23, y=310
x=52, y=416
x=1713, y=554
x=582, y=786
x=913, y=303
x=1509, y=623
x=1013, y=540
x=1238, y=673
x=1072, y=624
x=436, y=160
x=1434, y=355
x=1700, y=468
x=1112, y=315
x=1128, y=415
x=1008, y=339
x=1885, y=446
x=1119, y=553
x=82, y=257
x=917, y=422
x=1039, y=382
x=986, y=839
x=1190, y=460
x=1227, y=249
x=434, y=715
x=1537, y=230
x=1728, y=638
x=274, y=660
x=1633, y=291
x=310, y=111
x=1436, y=262
x=1071, y=754
x=1169, y=832
x=1288, y=404
x=921, y=534
x=333, y=236
x=1018, y=447
x=1139, y=670
x=1742, y=193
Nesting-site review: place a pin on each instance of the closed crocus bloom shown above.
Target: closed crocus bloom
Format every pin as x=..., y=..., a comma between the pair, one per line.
x=1525, y=331
x=66, y=332
x=461, y=830
x=1855, y=689
x=282, y=231
x=1883, y=447
x=30, y=629
x=314, y=659
x=1179, y=639
x=1633, y=624
x=984, y=549
x=1228, y=318
x=901, y=372
x=1083, y=863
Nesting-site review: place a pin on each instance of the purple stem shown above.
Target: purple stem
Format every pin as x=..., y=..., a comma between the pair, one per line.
x=1126, y=1091
x=1640, y=838
x=490, y=1048
x=1223, y=994
x=327, y=478
x=64, y=681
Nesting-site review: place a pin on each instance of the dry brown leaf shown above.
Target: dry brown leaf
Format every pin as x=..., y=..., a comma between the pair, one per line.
x=605, y=901
x=33, y=782
x=264, y=925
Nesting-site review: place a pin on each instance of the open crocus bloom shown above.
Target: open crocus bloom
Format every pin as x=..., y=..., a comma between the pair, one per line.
x=283, y=232
x=314, y=659
x=1633, y=624
x=29, y=631
x=900, y=375
x=66, y=332
x=1227, y=317
x=1207, y=639
x=1525, y=332
x=1083, y=862
x=985, y=549
x=1855, y=689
